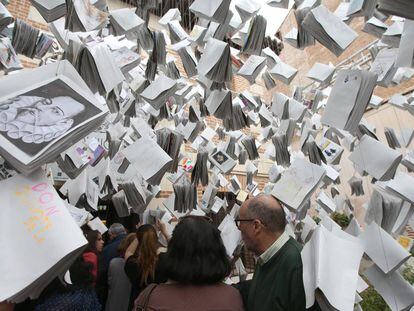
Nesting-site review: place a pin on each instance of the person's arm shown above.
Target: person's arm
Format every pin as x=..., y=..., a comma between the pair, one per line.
x=163, y=229
x=131, y=249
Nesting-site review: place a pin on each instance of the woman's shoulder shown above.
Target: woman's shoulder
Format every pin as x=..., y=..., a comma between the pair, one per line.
x=227, y=289
x=116, y=263
x=227, y=295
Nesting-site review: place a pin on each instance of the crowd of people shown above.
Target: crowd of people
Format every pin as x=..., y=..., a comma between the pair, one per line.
x=134, y=272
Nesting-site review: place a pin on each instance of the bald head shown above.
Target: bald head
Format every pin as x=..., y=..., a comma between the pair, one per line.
x=268, y=210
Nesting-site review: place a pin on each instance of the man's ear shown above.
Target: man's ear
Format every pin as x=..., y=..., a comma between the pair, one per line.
x=257, y=226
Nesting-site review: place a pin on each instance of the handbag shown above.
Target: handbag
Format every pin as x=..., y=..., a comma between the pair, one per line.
x=141, y=303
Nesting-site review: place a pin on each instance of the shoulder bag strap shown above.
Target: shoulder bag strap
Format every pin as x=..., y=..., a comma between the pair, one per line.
x=141, y=303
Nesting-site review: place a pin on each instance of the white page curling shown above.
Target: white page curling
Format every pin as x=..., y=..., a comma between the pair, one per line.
x=331, y=264
x=38, y=225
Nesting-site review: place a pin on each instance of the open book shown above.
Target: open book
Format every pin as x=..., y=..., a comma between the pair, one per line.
x=50, y=10
x=381, y=247
x=298, y=183
x=329, y=29
x=397, y=292
x=348, y=99
x=402, y=8
x=29, y=134
x=330, y=263
x=214, y=10
x=215, y=62
x=405, y=56
x=149, y=159
x=375, y=158
x=37, y=222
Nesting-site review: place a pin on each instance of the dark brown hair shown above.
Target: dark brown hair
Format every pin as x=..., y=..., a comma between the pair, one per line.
x=196, y=253
x=92, y=236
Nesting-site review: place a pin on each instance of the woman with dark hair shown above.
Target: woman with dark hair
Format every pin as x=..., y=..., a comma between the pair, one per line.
x=196, y=265
x=143, y=261
x=93, y=250
x=77, y=296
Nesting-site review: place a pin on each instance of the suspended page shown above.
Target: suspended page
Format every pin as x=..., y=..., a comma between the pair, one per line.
x=375, y=158
x=342, y=99
x=381, y=247
x=43, y=111
x=214, y=10
x=230, y=234
x=397, y=292
x=148, y=158
x=297, y=183
x=405, y=56
x=213, y=51
x=38, y=225
x=402, y=186
x=340, y=32
x=331, y=263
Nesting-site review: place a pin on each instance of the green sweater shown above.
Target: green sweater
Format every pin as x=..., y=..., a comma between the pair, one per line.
x=277, y=285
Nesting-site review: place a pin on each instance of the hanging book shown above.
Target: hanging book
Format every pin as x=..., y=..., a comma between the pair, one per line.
x=329, y=30
x=38, y=223
x=214, y=10
x=43, y=111
x=50, y=10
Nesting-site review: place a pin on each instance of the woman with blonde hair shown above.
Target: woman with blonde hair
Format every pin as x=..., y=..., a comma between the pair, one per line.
x=144, y=264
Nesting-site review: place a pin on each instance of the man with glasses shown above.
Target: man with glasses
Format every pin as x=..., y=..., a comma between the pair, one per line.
x=277, y=281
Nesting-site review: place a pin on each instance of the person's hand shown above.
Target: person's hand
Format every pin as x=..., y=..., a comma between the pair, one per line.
x=161, y=226
x=130, y=251
x=163, y=229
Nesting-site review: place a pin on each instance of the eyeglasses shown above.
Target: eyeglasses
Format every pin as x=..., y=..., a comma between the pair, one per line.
x=238, y=221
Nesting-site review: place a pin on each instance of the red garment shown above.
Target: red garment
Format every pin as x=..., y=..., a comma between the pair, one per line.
x=92, y=258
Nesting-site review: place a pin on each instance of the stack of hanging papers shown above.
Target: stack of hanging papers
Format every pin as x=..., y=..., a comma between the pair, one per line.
x=42, y=112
